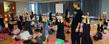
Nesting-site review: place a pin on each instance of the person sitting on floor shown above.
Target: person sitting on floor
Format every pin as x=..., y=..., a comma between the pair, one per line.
x=25, y=36
x=52, y=28
x=15, y=31
x=38, y=37
x=100, y=25
x=105, y=22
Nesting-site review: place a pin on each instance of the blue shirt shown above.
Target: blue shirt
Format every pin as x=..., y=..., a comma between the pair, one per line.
x=46, y=25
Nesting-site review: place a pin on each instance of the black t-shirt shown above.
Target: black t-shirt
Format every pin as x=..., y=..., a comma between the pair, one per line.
x=21, y=18
x=78, y=17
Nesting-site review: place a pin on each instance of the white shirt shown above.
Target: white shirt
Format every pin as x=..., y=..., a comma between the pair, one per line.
x=25, y=35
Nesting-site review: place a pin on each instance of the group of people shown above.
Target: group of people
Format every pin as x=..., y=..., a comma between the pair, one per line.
x=22, y=27
x=102, y=25
x=80, y=26
x=31, y=31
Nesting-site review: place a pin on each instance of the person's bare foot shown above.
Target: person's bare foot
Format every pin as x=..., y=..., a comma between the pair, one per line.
x=44, y=42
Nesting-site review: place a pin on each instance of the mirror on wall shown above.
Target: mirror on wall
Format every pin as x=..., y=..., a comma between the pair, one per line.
x=9, y=7
x=6, y=6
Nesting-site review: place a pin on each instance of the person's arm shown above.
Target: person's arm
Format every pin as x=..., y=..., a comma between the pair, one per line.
x=78, y=27
x=79, y=21
x=39, y=40
x=34, y=40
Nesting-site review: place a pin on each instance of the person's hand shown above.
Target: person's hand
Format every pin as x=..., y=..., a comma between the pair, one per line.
x=30, y=38
x=81, y=30
x=35, y=35
x=76, y=30
x=34, y=41
x=44, y=42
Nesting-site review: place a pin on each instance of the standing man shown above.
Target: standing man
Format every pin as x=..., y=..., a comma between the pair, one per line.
x=77, y=19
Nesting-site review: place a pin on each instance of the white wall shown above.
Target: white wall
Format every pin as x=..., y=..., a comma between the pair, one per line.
x=21, y=7
x=105, y=7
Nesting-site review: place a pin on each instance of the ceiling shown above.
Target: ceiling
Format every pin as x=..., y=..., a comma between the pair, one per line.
x=40, y=1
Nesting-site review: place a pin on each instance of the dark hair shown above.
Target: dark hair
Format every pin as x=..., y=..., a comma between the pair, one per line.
x=24, y=29
x=40, y=18
x=17, y=39
x=77, y=3
x=15, y=24
x=67, y=19
x=37, y=30
x=50, y=16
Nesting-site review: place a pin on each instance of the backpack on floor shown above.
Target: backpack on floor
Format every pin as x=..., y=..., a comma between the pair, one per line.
x=97, y=36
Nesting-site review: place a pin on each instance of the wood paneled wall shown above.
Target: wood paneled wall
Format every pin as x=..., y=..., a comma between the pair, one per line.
x=1, y=7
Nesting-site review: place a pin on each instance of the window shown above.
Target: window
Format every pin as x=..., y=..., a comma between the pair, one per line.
x=33, y=8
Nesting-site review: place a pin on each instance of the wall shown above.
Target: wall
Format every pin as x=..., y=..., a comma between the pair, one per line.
x=43, y=8
x=105, y=7
x=1, y=7
x=96, y=7
x=92, y=6
x=47, y=7
x=21, y=7
x=13, y=7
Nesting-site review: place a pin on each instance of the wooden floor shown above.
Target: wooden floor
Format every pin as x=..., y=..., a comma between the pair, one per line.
x=105, y=39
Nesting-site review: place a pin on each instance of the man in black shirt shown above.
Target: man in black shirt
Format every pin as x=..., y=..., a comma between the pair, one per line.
x=77, y=19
